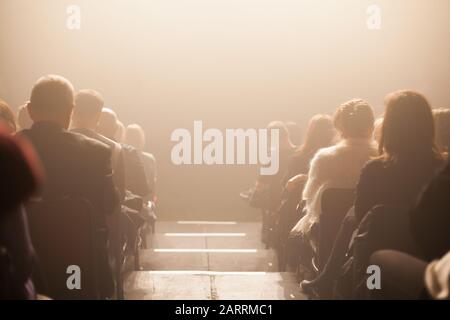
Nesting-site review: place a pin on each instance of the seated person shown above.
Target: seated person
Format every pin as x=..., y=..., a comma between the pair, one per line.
x=135, y=137
x=74, y=165
x=406, y=277
x=339, y=166
x=135, y=177
x=442, y=121
x=20, y=178
x=23, y=118
x=85, y=118
x=7, y=119
x=405, y=166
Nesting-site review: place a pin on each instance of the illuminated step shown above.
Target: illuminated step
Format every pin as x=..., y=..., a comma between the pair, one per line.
x=208, y=222
x=206, y=250
x=207, y=273
x=204, y=234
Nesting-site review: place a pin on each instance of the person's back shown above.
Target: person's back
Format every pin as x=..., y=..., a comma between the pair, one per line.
x=430, y=219
x=85, y=119
x=407, y=163
x=74, y=165
x=339, y=166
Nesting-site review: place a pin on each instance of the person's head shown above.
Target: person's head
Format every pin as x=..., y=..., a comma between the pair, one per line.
x=52, y=100
x=108, y=123
x=354, y=119
x=377, y=129
x=88, y=108
x=319, y=134
x=7, y=118
x=442, y=123
x=20, y=172
x=295, y=132
x=120, y=134
x=135, y=136
x=23, y=118
x=408, y=127
x=284, y=141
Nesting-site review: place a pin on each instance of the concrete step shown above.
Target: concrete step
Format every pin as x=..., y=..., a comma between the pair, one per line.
x=261, y=260
x=179, y=285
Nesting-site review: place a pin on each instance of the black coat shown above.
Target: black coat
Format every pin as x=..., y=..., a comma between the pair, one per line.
x=74, y=165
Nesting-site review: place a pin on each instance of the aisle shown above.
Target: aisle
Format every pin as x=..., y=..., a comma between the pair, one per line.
x=198, y=260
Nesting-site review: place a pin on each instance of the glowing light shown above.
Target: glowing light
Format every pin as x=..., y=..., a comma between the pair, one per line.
x=205, y=235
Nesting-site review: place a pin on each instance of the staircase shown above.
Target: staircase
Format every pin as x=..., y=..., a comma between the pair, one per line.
x=209, y=260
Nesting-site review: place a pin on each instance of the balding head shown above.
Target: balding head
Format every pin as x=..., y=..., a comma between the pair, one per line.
x=52, y=100
x=107, y=126
x=135, y=136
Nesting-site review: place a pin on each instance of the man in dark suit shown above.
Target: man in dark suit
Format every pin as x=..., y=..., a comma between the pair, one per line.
x=74, y=164
x=85, y=118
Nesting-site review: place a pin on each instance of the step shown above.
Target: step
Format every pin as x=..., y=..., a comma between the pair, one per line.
x=207, y=285
x=260, y=260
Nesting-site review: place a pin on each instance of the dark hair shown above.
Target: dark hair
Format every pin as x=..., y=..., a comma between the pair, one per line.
x=21, y=172
x=7, y=115
x=320, y=134
x=88, y=104
x=283, y=131
x=408, y=127
x=354, y=119
x=442, y=123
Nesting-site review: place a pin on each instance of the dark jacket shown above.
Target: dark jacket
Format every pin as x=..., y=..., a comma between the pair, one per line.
x=395, y=184
x=74, y=165
x=117, y=158
x=430, y=219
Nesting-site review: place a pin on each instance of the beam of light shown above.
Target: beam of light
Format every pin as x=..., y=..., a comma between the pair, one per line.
x=204, y=234
x=208, y=222
x=208, y=273
x=206, y=250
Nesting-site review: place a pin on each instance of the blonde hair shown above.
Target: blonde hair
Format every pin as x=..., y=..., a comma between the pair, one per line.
x=354, y=119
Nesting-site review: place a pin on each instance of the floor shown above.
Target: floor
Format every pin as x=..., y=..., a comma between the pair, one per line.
x=206, y=260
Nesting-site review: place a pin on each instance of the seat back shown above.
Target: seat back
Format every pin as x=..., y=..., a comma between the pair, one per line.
x=63, y=235
x=335, y=205
x=388, y=228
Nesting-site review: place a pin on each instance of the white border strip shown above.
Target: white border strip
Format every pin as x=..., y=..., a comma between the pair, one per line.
x=204, y=234
x=208, y=273
x=208, y=222
x=206, y=250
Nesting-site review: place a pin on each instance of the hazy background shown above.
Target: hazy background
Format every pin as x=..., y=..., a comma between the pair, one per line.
x=231, y=63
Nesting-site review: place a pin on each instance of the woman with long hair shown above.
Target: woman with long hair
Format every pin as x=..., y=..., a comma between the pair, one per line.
x=408, y=159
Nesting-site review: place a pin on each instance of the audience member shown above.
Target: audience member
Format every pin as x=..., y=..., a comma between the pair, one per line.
x=396, y=178
x=135, y=137
x=339, y=166
x=74, y=165
x=23, y=118
x=7, y=118
x=442, y=122
x=135, y=177
x=20, y=178
x=295, y=132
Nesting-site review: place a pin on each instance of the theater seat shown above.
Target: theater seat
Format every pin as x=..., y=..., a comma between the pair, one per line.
x=63, y=235
x=335, y=205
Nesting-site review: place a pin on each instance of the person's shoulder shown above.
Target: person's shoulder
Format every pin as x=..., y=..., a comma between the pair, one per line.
x=148, y=156
x=326, y=153
x=374, y=166
x=86, y=143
